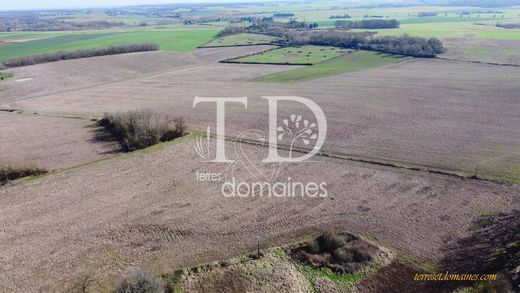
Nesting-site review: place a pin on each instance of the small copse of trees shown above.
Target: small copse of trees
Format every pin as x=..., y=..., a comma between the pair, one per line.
x=398, y=45
x=426, y=14
x=85, y=53
x=405, y=45
x=140, y=129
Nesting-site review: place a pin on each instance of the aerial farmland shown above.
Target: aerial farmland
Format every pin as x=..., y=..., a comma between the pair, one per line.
x=313, y=146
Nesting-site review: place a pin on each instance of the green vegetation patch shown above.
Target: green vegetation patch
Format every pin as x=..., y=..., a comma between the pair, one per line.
x=168, y=40
x=355, y=61
x=313, y=274
x=295, y=55
x=5, y=75
x=242, y=40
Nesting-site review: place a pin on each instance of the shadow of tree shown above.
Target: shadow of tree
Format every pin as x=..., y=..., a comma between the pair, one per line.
x=493, y=246
x=101, y=136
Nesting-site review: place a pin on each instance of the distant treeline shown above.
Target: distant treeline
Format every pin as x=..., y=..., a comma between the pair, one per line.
x=58, y=56
x=426, y=14
x=367, y=24
x=31, y=22
x=277, y=29
x=283, y=14
x=509, y=25
x=289, y=36
x=475, y=3
x=340, y=16
x=252, y=19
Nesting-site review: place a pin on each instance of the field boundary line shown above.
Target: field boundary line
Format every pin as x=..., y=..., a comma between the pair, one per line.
x=344, y=157
x=234, y=60
x=238, y=45
x=480, y=62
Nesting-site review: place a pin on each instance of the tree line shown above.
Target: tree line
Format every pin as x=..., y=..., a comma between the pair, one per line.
x=367, y=24
x=300, y=34
x=30, y=22
x=508, y=25
x=85, y=53
x=398, y=45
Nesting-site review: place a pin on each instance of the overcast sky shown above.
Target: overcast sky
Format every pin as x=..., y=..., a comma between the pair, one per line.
x=45, y=4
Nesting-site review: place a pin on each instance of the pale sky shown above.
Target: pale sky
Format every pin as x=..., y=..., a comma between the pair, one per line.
x=48, y=4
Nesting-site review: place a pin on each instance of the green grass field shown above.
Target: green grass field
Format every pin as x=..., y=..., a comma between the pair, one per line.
x=355, y=61
x=241, y=39
x=451, y=29
x=168, y=40
x=296, y=55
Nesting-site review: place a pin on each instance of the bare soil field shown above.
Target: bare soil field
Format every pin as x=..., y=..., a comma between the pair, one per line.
x=437, y=114
x=483, y=50
x=99, y=218
x=48, y=142
x=80, y=73
x=137, y=209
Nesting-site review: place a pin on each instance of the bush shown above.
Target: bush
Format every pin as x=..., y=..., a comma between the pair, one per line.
x=343, y=253
x=137, y=280
x=58, y=56
x=330, y=241
x=9, y=173
x=139, y=129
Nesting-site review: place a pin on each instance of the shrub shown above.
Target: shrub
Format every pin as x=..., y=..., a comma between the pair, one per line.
x=343, y=253
x=139, y=129
x=330, y=241
x=137, y=280
x=9, y=173
x=173, y=281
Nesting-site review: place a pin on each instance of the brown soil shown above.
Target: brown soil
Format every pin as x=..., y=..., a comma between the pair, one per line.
x=49, y=142
x=148, y=208
x=433, y=113
x=140, y=209
x=482, y=50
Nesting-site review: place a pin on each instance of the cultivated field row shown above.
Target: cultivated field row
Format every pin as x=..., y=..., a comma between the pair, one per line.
x=401, y=113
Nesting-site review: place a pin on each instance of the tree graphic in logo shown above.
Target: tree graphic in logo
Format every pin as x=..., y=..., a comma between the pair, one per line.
x=296, y=128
